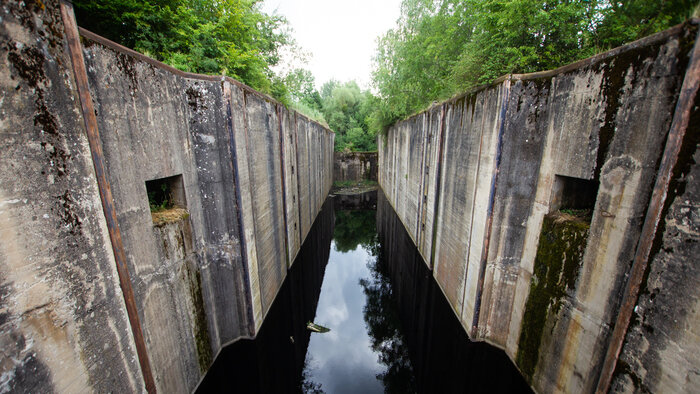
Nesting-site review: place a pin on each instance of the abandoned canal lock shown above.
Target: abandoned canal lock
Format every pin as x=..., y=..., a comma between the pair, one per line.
x=556, y=215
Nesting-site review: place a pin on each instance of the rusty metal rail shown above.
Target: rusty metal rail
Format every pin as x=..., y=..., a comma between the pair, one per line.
x=98, y=160
x=681, y=118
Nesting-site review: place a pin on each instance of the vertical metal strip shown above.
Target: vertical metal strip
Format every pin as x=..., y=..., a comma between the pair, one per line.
x=420, y=214
x=251, y=181
x=471, y=220
x=489, y=212
x=438, y=184
x=681, y=118
x=296, y=149
x=284, y=186
x=80, y=73
x=228, y=99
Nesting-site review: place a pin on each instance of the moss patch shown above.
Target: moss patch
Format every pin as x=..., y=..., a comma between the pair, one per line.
x=201, y=334
x=353, y=187
x=557, y=264
x=171, y=215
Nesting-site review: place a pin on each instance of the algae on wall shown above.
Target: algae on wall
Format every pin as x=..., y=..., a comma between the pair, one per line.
x=193, y=279
x=557, y=264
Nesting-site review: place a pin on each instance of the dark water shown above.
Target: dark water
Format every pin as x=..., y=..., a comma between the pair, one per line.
x=391, y=329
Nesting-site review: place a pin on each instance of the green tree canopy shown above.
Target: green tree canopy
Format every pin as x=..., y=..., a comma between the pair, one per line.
x=229, y=37
x=441, y=47
x=348, y=111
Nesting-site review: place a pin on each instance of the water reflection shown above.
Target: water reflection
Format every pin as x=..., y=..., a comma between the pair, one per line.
x=443, y=358
x=355, y=229
x=384, y=327
x=343, y=360
x=274, y=361
x=391, y=327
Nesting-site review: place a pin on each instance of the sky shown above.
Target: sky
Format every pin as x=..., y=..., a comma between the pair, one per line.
x=340, y=35
x=342, y=360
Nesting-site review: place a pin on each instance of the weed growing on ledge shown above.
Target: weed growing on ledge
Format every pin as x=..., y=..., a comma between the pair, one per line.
x=160, y=200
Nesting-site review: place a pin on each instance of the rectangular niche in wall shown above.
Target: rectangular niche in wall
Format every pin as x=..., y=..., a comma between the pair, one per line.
x=166, y=199
x=570, y=193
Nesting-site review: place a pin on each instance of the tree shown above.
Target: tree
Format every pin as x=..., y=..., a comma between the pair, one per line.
x=229, y=37
x=348, y=110
x=441, y=47
x=414, y=61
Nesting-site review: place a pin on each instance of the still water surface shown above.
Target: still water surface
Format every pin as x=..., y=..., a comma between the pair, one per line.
x=391, y=329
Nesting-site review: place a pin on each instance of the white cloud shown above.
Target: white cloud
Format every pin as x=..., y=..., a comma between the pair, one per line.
x=339, y=34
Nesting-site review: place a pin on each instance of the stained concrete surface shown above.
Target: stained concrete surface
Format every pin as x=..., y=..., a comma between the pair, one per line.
x=661, y=352
x=201, y=281
x=63, y=324
x=472, y=180
x=354, y=166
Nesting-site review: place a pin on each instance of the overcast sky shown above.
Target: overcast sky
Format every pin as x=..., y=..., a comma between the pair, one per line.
x=339, y=34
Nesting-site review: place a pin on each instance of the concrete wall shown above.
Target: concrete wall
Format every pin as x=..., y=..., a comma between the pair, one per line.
x=354, y=166
x=661, y=352
x=271, y=363
x=254, y=174
x=443, y=358
x=63, y=323
x=478, y=180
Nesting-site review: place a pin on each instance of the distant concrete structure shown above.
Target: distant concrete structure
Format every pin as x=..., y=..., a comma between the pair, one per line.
x=354, y=166
x=560, y=214
x=96, y=293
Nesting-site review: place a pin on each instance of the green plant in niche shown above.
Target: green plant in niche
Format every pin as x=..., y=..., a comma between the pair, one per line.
x=584, y=214
x=160, y=200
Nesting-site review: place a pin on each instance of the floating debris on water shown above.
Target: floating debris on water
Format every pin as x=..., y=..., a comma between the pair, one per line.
x=316, y=328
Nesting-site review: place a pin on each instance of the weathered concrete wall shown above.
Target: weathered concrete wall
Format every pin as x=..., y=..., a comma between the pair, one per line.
x=272, y=363
x=354, y=166
x=200, y=281
x=63, y=326
x=478, y=181
x=661, y=352
x=443, y=359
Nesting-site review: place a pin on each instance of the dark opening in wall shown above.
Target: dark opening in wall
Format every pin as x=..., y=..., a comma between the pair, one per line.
x=166, y=199
x=573, y=194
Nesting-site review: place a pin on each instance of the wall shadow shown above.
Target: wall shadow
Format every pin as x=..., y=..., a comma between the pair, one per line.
x=443, y=358
x=274, y=361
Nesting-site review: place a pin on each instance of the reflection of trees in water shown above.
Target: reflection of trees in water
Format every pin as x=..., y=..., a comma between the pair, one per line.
x=384, y=327
x=308, y=386
x=353, y=228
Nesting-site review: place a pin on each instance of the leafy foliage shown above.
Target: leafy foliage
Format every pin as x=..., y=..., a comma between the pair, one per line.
x=348, y=111
x=344, y=107
x=353, y=228
x=381, y=313
x=160, y=198
x=414, y=61
x=441, y=47
x=230, y=37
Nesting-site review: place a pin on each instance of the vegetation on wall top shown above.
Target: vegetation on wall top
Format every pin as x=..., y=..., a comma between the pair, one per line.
x=437, y=49
x=442, y=47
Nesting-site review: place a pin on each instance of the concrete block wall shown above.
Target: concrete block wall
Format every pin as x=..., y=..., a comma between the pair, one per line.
x=354, y=166
x=475, y=179
x=254, y=175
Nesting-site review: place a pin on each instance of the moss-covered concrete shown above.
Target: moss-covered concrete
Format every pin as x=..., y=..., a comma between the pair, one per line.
x=559, y=256
x=193, y=280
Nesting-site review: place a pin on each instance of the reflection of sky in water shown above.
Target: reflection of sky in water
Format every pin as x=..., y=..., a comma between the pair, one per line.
x=342, y=360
